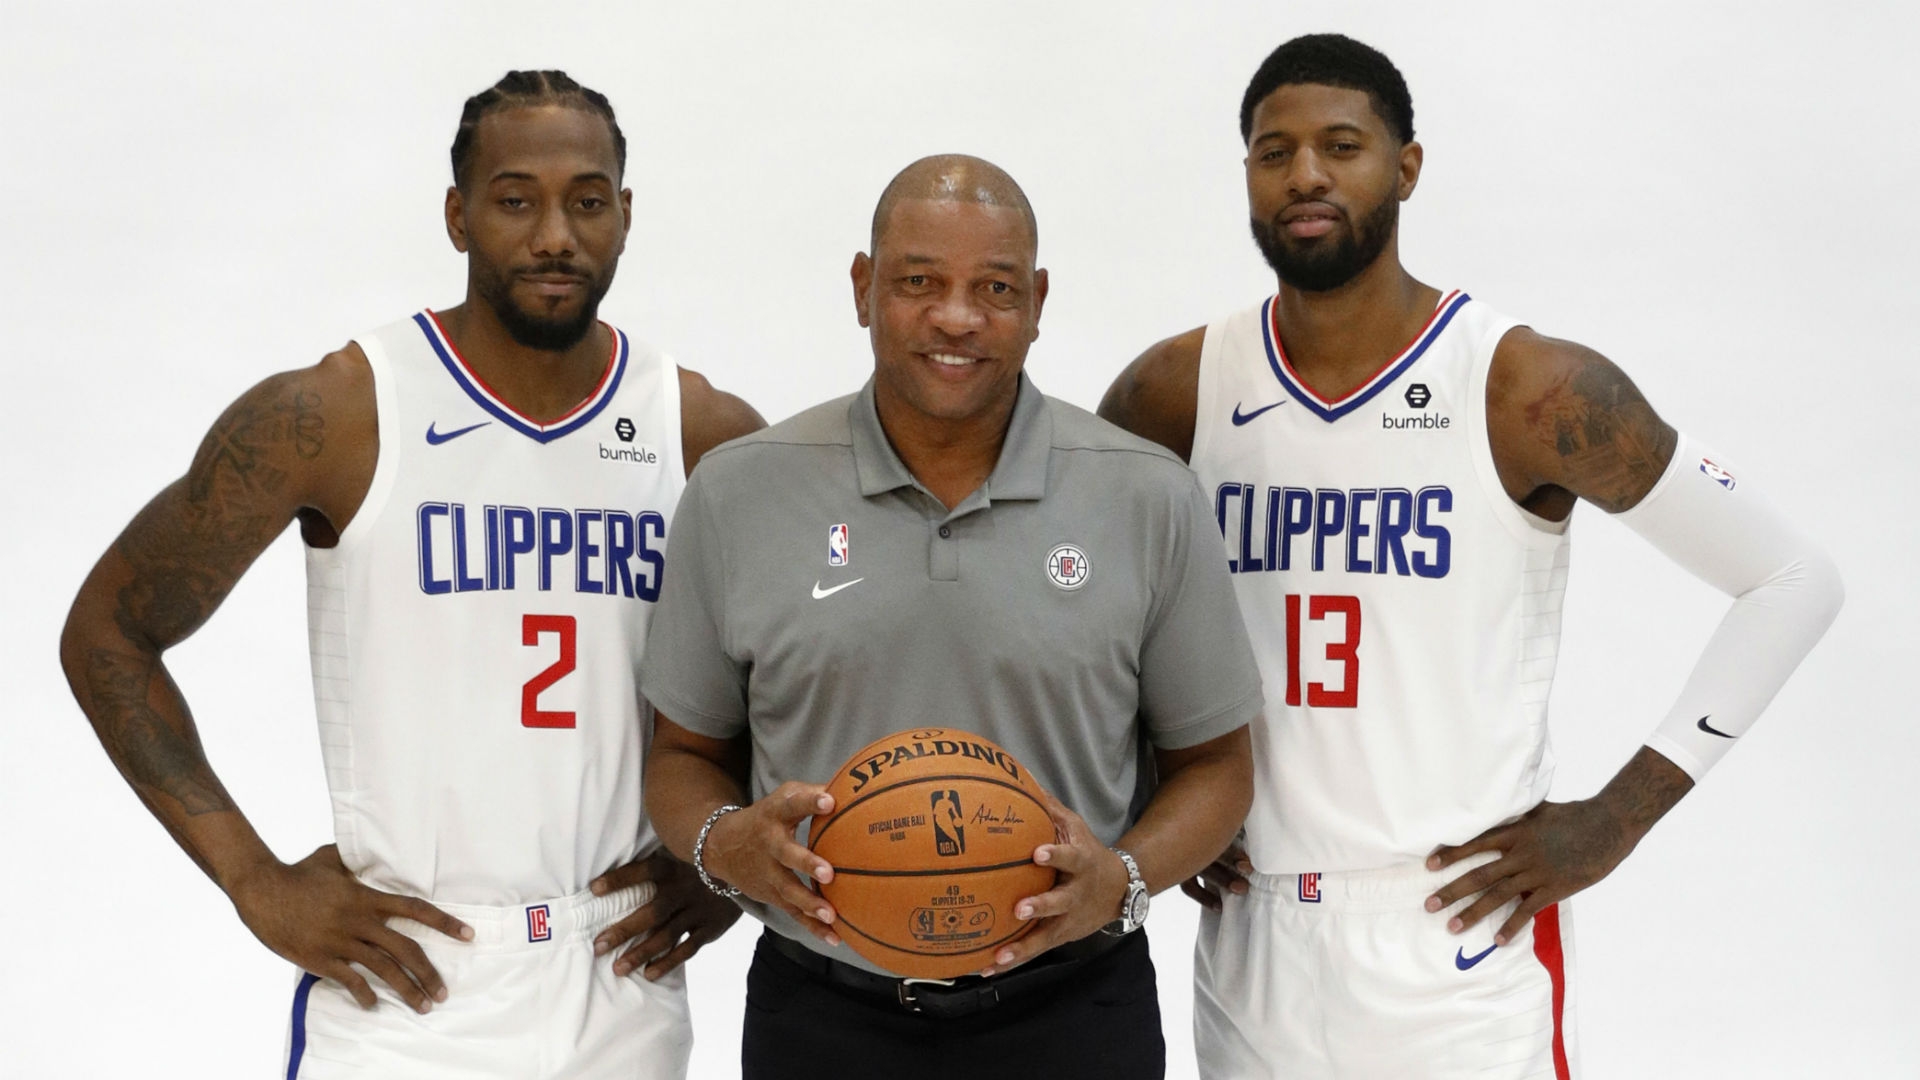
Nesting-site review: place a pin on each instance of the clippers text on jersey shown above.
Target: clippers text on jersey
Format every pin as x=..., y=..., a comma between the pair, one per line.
x=1361, y=531
x=608, y=552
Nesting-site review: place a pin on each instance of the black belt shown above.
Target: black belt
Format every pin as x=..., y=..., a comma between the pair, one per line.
x=949, y=998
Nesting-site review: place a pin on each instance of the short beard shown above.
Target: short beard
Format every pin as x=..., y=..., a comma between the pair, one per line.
x=540, y=332
x=1324, y=266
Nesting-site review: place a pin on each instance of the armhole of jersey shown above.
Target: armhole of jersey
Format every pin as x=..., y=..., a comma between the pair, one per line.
x=673, y=419
x=1527, y=527
x=386, y=454
x=1206, y=413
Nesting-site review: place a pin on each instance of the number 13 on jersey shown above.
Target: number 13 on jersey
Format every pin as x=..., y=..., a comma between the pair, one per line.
x=1342, y=651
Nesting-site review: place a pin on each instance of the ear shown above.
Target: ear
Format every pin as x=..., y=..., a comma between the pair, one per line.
x=862, y=275
x=626, y=217
x=1412, y=156
x=1039, y=300
x=457, y=219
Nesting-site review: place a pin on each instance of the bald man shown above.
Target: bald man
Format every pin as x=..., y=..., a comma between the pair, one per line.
x=949, y=548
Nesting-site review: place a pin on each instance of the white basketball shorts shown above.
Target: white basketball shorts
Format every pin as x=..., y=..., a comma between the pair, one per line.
x=1312, y=976
x=525, y=999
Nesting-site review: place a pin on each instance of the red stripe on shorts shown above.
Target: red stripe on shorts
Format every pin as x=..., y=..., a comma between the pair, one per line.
x=1546, y=946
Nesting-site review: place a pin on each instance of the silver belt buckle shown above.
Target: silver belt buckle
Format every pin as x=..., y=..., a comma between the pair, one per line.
x=905, y=990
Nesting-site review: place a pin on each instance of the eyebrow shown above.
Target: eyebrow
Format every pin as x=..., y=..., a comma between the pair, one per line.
x=1001, y=265
x=1343, y=125
x=578, y=177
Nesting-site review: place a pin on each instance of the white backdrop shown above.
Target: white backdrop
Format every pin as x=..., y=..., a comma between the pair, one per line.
x=1717, y=196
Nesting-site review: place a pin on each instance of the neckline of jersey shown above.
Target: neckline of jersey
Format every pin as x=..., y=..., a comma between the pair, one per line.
x=1331, y=410
x=490, y=400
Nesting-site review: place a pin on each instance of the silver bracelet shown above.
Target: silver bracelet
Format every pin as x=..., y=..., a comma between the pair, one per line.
x=700, y=850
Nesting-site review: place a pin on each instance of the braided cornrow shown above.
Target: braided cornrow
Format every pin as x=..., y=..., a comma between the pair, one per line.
x=519, y=89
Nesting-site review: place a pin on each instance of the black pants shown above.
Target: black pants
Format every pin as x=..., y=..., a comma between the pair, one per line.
x=1102, y=1022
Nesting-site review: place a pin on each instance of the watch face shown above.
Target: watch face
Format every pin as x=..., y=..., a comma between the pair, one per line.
x=1137, y=908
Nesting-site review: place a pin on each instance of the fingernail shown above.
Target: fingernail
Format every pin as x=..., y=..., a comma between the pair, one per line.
x=423, y=1008
x=1455, y=925
x=834, y=940
x=1499, y=939
x=599, y=887
x=600, y=946
x=440, y=994
x=1023, y=911
x=823, y=874
x=1433, y=862
x=466, y=932
x=1043, y=855
x=1005, y=957
x=825, y=915
x=1433, y=903
x=622, y=968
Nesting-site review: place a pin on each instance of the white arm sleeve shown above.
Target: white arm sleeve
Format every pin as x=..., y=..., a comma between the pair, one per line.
x=1786, y=592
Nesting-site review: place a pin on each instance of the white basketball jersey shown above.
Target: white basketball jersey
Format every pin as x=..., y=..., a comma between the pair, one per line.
x=1406, y=614
x=476, y=633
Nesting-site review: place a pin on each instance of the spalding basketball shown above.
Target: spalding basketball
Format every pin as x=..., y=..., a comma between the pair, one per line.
x=931, y=841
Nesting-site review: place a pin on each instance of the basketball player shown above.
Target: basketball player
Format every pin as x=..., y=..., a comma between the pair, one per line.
x=897, y=558
x=1393, y=466
x=485, y=493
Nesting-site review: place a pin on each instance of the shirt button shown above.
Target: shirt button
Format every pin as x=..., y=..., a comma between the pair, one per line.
x=945, y=532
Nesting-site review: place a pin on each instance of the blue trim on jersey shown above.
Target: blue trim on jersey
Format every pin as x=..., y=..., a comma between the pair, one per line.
x=298, y=1049
x=509, y=417
x=1338, y=409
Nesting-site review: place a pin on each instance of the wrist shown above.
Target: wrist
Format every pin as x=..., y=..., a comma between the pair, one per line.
x=705, y=849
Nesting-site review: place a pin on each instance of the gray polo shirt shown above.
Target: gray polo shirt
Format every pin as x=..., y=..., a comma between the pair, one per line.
x=818, y=597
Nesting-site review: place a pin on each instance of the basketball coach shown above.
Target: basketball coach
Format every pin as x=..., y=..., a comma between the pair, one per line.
x=950, y=548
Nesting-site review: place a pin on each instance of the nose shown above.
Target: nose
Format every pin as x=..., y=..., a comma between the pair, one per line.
x=1306, y=175
x=957, y=313
x=553, y=234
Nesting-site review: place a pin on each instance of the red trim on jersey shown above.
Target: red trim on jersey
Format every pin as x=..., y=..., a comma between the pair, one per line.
x=1546, y=947
x=1280, y=349
x=613, y=357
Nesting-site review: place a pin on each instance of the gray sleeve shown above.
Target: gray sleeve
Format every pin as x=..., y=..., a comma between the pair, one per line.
x=1198, y=680
x=686, y=672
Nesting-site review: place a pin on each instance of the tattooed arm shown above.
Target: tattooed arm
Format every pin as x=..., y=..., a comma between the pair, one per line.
x=1566, y=424
x=300, y=445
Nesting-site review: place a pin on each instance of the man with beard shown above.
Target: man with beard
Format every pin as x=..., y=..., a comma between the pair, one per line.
x=1392, y=467
x=485, y=493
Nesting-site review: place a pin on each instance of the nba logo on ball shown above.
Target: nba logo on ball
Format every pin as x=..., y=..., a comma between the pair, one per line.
x=1717, y=474
x=1068, y=567
x=837, y=553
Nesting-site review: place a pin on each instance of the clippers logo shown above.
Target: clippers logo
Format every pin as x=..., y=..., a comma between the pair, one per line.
x=838, y=554
x=1309, y=888
x=623, y=427
x=1068, y=567
x=537, y=928
x=949, y=830
x=1717, y=474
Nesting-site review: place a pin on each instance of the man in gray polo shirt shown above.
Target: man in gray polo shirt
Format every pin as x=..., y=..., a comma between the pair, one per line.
x=950, y=548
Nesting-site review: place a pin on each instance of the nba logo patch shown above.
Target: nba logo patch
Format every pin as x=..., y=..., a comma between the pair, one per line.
x=838, y=554
x=1068, y=567
x=1309, y=888
x=537, y=928
x=1717, y=474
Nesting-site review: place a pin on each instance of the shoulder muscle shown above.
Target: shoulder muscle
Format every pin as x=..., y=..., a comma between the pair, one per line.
x=709, y=417
x=1564, y=420
x=1155, y=396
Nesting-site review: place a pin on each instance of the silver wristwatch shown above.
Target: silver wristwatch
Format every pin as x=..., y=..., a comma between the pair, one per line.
x=1133, y=905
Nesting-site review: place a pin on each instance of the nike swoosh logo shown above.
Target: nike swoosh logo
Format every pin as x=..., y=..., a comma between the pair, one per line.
x=1240, y=418
x=435, y=438
x=1702, y=725
x=1462, y=961
x=821, y=594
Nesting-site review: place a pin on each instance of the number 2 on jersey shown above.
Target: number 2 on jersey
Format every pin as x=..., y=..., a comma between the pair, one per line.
x=1345, y=651
x=531, y=629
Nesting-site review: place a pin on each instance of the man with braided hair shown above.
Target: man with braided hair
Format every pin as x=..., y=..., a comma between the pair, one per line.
x=485, y=493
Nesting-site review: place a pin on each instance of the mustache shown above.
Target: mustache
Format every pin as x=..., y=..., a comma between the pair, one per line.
x=553, y=266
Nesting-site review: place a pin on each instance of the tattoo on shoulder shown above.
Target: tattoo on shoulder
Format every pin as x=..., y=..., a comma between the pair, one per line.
x=154, y=754
x=189, y=545
x=1612, y=445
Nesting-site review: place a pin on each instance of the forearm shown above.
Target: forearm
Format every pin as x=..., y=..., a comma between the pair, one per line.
x=147, y=730
x=1642, y=792
x=1194, y=814
x=683, y=788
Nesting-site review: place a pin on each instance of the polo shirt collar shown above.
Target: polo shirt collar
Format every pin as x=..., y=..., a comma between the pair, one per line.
x=1021, y=472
